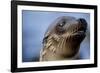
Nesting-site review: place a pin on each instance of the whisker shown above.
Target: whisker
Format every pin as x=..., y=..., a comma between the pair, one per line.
x=64, y=42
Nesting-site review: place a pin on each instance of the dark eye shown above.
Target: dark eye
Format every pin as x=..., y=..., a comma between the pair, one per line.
x=62, y=24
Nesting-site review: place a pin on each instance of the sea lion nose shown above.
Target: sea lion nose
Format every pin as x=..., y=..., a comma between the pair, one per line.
x=83, y=23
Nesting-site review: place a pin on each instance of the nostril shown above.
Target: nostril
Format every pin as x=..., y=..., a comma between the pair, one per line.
x=83, y=21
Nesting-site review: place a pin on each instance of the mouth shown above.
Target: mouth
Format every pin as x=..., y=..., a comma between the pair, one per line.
x=81, y=27
x=80, y=34
x=80, y=30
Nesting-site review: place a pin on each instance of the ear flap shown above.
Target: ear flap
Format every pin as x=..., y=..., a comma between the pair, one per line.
x=45, y=39
x=83, y=22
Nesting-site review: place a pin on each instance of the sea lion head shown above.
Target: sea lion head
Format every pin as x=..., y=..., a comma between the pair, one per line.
x=70, y=32
x=71, y=28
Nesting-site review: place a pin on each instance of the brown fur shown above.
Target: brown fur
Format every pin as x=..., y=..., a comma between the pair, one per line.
x=63, y=38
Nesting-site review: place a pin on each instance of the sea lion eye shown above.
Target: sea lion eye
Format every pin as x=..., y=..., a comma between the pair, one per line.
x=62, y=23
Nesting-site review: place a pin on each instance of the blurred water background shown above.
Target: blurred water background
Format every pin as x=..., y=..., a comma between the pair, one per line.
x=35, y=24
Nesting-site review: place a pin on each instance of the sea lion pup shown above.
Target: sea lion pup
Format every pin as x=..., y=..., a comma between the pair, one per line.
x=63, y=38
